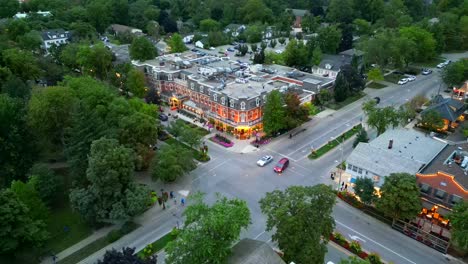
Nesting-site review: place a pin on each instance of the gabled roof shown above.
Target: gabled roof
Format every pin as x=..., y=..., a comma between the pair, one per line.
x=249, y=251
x=51, y=34
x=334, y=62
x=448, y=108
x=299, y=12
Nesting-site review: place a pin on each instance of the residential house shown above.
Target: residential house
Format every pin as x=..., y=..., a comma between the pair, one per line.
x=451, y=110
x=226, y=92
x=249, y=251
x=444, y=181
x=330, y=65
x=25, y=15
x=55, y=37
x=396, y=150
x=298, y=15
x=234, y=29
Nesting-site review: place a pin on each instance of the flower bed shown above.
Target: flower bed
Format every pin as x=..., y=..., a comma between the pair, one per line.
x=223, y=141
x=261, y=141
x=355, y=248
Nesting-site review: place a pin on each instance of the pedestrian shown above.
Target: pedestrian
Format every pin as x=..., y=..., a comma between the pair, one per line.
x=346, y=187
x=342, y=184
x=159, y=201
x=171, y=194
x=182, y=201
x=165, y=196
x=290, y=135
x=332, y=176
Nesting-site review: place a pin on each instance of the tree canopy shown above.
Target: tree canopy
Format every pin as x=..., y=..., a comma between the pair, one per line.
x=364, y=188
x=459, y=222
x=273, y=113
x=209, y=231
x=301, y=219
x=381, y=118
x=142, y=49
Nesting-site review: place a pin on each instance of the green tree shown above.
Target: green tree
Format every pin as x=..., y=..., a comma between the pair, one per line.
x=370, y=10
x=256, y=11
x=362, y=27
x=17, y=151
x=69, y=56
x=295, y=112
x=112, y=194
x=425, y=48
x=30, y=197
x=95, y=60
x=341, y=89
x=176, y=43
x=282, y=40
x=45, y=182
x=295, y=53
x=455, y=73
x=364, y=188
x=459, y=222
x=381, y=118
x=136, y=83
x=50, y=111
x=171, y=162
x=399, y=197
x=329, y=39
x=8, y=8
x=340, y=11
x=375, y=74
x=273, y=43
x=432, y=120
x=16, y=88
x=209, y=231
x=97, y=13
x=316, y=56
x=361, y=137
x=30, y=41
x=21, y=63
x=207, y=25
x=18, y=228
x=291, y=212
x=273, y=113
x=142, y=49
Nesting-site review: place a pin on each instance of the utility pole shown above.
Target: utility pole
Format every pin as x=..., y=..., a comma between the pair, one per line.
x=341, y=159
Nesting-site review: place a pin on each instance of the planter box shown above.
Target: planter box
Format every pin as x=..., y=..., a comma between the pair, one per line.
x=224, y=144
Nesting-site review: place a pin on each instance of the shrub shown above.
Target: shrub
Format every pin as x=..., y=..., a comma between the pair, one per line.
x=374, y=258
x=113, y=236
x=175, y=232
x=339, y=238
x=127, y=227
x=355, y=247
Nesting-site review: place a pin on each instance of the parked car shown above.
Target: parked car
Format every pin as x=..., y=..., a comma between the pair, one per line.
x=426, y=71
x=403, y=81
x=377, y=100
x=194, y=50
x=212, y=48
x=163, y=117
x=411, y=78
x=281, y=165
x=268, y=70
x=441, y=65
x=294, y=74
x=264, y=160
x=231, y=49
x=447, y=62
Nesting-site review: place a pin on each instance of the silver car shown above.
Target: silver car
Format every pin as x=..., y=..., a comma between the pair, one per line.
x=264, y=160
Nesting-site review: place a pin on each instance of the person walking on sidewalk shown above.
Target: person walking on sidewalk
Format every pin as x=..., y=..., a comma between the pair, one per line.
x=182, y=201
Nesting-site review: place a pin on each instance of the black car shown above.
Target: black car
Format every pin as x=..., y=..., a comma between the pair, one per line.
x=194, y=50
x=163, y=117
x=377, y=100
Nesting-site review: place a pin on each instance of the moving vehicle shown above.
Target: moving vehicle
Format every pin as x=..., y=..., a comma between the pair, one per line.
x=163, y=117
x=403, y=81
x=426, y=71
x=411, y=78
x=281, y=165
x=264, y=160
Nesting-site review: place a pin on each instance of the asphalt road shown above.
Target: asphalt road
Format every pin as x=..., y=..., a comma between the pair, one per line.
x=237, y=175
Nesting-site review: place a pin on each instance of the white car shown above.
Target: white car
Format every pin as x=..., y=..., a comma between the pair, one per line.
x=411, y=78
x=403, y=81
x=212, y=48
x=264, y=160
x=441, y=65
x=278, y=51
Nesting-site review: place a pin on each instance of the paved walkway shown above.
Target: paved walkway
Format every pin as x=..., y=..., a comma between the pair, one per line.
x=93, y=237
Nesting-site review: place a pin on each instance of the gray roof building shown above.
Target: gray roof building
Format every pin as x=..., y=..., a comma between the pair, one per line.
x=249, y=251
x=448, y=108
x=397, y=150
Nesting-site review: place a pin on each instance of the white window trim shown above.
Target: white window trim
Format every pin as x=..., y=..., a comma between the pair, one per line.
x=242, y=105
x=215, y=97
x=223, y=100
x=192, y=86
x=169, y=77
x=232, y=103
x=257, y=101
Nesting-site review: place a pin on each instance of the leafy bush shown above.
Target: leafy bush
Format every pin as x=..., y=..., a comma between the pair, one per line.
x=114, y=235
x=374, y=258
x=339, y=238
x=355, y=247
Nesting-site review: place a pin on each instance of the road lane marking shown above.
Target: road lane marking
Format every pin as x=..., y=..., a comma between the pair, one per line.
x=375, y=242
x=221, y=164
x=260, y=234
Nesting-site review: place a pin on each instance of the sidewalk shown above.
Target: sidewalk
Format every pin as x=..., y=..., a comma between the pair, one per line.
x=90, y=239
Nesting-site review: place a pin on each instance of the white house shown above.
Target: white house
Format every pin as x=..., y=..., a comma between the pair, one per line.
x=25, y=15
x=396, y=150
x=54, y=37
x=331, y=65
x=188, y=39
x=199, y=44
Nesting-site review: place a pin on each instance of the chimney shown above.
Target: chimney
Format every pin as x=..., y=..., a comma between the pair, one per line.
x=390, y=144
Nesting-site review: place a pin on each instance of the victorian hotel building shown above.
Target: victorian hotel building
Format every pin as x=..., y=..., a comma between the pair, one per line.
x=227, y=93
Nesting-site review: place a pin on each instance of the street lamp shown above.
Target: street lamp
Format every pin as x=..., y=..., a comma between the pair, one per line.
x=341, y=159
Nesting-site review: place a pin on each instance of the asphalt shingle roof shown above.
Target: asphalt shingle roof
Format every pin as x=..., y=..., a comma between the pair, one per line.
x=448, y=108
x=249, y=251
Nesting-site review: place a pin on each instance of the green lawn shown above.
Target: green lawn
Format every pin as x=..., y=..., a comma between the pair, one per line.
x=393, y=78
x=157, y=245
x=85, y=251
x=333, y=143
x=349, y=100
x=376, y=85
x=196, y=154
x=202, y=131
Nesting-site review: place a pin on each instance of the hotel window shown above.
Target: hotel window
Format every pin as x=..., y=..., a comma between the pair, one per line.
x=350, y=167
x=257, y=101
x=355, y=168
x=242, y=105
x=359, y=170
x=232, y=103
x=440, y=194
x=454, y=199
x=192, y=86
x=169, y=77
x=201, y=88
x=223, y=100
x=425, y=188
x=215, y=97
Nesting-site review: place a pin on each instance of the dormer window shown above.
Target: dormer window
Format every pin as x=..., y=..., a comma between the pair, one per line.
x=242, y=105
x=257, y=101
x=169, y=77
x=201, y=88
x=192, y=86
x=232, y=103
x=223, y=100
x=215, y=97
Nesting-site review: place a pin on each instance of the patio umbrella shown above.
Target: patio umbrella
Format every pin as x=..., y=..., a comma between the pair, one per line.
x=184, y=193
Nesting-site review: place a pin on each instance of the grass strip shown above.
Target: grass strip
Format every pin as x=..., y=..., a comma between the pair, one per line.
x=156, y=246
x=376, y=85
x=196, y=154
x=333, y=143
x=347, y=101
